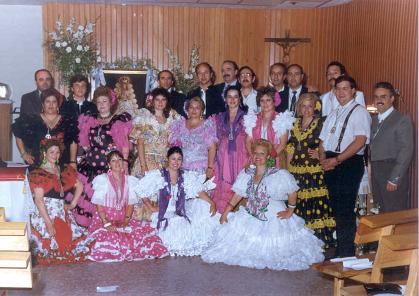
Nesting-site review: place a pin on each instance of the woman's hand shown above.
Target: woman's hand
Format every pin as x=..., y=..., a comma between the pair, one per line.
x=213, y=208
x=50, y=229
x=69, y=207
x=209, y=172
x=285, y=214
x=223, y=218
x=314, y=154
x=73, y=165
x=29, y=159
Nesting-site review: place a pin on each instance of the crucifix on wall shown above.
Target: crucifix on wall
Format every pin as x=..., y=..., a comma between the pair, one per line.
x=287, y=43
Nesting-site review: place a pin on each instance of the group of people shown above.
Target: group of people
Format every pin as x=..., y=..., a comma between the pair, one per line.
x=258, y=178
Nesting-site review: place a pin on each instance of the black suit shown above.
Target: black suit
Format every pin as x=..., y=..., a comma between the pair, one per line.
x=220, y=88
x=30, y=103
x=214, y=103
x=285, y=98
x=177, y=102
x=71, y=108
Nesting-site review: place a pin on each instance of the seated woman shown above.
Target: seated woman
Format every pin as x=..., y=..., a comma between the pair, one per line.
x=56, y=236
x=185, y=224
x=264, y=234
x=117, y=236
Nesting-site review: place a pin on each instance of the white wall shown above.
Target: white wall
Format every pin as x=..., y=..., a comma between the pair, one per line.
x=21, y=52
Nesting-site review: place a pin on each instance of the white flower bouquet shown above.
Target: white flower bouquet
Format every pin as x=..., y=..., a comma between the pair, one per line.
x=73, y=49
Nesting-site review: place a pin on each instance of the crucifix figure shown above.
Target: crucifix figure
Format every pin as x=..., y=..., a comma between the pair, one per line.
x=287, y=43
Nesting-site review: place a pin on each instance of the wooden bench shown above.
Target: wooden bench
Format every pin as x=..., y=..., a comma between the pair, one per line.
x=393, y=251
x=370, y=229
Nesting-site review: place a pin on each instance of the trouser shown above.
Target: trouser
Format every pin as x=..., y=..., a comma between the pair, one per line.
x=388, y=200
x=343, y=184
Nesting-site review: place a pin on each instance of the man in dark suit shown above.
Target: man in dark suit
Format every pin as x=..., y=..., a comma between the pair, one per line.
x=391, y=151
x=166, y=80
x=277, y=76
x=295, y=78
x=229, y=71
x=77, y=102
x=206, y=91
x=30, y=103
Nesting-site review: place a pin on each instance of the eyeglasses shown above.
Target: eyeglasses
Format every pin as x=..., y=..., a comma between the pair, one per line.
x=246, y=75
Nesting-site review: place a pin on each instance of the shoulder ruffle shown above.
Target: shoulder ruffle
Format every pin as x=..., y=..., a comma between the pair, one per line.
x=209, y=132
x=68, y=177
x=132, y=184
x=249, y=121
x=39, y=178
x=240, y=185
x=176, y=130
x=194, y=184
x=86, y=122
x=29, y=128
x=149, y=185
x=121, y=129
x=282, y=123
x=100, y=188
x=280, y=184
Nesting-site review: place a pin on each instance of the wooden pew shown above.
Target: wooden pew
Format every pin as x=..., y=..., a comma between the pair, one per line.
x=393, y=251
x=371, y=229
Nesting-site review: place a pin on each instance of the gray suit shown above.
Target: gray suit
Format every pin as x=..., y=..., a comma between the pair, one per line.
x=31, y=103
x=391, y=151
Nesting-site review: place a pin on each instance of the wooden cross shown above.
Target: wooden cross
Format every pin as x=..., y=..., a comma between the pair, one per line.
x=287, y=43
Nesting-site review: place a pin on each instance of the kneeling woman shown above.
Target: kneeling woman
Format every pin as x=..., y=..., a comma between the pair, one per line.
x=264, y=234
x=117, y=236
x=56, y=236
x=186, y=224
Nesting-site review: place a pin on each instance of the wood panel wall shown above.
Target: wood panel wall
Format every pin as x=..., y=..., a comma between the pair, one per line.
x=375, y=39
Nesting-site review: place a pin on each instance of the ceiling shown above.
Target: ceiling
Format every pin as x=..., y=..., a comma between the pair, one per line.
x=284, y=4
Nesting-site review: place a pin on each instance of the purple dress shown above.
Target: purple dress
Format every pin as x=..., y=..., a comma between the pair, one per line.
x=194, y=143
x=231, y=156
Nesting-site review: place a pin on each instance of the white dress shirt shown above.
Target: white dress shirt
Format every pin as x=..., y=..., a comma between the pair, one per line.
x=297, y=95
x=204, y=98
x=250, y=101
x=384, y=115
x=359, y=124
x=330, y=102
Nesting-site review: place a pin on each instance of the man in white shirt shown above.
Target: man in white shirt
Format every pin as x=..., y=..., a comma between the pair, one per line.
x=247, y=78
x=344, y=135
x=329, y=100
x=391, y=151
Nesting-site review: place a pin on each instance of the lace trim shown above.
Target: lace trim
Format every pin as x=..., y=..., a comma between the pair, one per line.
x=312, y=169
x=321, y=223
x=310, y=193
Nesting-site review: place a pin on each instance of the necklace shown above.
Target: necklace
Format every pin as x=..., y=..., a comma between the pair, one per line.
x=98, y=137
x=50, y=124
x=333, y=130
x=300, y=133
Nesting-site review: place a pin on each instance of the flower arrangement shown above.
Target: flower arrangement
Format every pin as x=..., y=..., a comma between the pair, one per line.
x=185, y=82
x=73, y=49
x=127, y=63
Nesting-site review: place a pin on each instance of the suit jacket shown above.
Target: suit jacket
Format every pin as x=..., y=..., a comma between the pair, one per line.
x=71, y=108
x=214, y=103
x=177, y=102
x=285, y=98
x=393, y=140
x=31, y=103
x=220, y=88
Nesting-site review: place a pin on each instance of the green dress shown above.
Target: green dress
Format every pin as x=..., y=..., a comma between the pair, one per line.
x=313, y=204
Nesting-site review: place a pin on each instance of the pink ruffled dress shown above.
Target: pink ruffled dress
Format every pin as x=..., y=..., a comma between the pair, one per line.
x=231, y=156
x=134, y=242
x=99, y=139
x=194, y=143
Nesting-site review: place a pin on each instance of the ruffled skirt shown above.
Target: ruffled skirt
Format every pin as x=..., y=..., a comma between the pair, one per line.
x=188, y=238
x=280, y=244
x=137, y=241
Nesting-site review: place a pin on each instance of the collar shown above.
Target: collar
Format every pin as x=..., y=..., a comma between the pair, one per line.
x=79, y=103
x=350, y=103
x=384, y=115
x=298, y=90
x=233, y=83
x=252, y=92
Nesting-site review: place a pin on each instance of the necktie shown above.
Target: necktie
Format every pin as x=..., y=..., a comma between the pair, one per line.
x=293, y=99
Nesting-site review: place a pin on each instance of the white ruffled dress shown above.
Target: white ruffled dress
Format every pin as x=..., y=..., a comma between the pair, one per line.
x=279, y=244
x=181, y=237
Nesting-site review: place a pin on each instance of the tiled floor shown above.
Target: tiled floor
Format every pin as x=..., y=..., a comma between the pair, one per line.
x=174, y=276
